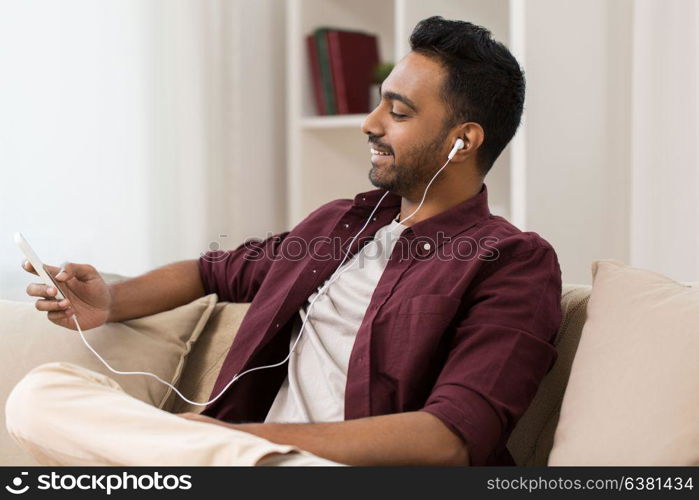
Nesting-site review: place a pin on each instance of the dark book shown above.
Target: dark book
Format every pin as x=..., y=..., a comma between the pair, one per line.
x=314, y=64
x=326, y=76
x=353, y=55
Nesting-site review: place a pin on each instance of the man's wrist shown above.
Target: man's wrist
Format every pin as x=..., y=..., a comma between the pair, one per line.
x=111, y=316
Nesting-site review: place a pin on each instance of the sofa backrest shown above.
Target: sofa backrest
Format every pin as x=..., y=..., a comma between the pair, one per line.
x=532, y=438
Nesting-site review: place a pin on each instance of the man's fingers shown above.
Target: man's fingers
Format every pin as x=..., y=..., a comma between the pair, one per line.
x=41, y=290
x=67, y=271
x=70, y=270
x=26, y=265
x=60, y=315
x=52, y=305
x=51, y=270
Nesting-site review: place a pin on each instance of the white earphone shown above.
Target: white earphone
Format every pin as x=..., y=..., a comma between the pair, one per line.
x=458, y=144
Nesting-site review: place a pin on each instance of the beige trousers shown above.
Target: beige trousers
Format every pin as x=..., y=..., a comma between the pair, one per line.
x=64, y=414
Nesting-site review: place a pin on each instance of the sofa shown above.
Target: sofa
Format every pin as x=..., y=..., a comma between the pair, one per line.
x=199, y=359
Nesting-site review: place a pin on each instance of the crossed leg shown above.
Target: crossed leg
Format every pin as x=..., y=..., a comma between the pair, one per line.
x=64, y=414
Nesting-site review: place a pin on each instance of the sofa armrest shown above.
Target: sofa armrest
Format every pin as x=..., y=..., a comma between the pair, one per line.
x=158, y=343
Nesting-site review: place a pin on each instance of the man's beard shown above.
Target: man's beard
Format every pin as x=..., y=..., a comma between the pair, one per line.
x=417, y=167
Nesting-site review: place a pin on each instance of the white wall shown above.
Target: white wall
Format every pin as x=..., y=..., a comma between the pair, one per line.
x=217, y=87
x=260, y=204
x=577, y=129
x=613, y=133
x=74, y=135
x=133, y=133
x=665, y=139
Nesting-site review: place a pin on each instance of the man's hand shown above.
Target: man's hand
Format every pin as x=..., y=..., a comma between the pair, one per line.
x=86, y=295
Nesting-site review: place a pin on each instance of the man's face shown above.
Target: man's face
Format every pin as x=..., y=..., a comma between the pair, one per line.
x=408, y=125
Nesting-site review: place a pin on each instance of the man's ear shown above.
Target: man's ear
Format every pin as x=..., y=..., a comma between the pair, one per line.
x=473, y=136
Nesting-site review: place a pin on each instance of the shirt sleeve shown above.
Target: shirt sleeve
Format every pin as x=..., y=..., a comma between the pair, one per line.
x=236, y=275
x=501, y=349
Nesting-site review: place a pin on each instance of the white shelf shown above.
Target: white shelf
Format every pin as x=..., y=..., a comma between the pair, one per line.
x=333, y=121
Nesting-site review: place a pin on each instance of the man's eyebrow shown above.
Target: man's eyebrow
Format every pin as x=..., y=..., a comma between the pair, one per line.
x=394, y=96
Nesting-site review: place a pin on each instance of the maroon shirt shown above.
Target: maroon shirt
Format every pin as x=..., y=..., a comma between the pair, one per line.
x=461, y=323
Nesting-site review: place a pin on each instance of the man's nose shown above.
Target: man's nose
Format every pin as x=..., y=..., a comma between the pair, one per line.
x=371, y=124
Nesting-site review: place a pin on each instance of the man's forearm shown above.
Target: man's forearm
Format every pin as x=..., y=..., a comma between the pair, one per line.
x=159, y=290
x=413, y=438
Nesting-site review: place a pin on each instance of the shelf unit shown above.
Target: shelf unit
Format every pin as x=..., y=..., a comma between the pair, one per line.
x=336, y=121
x=328, y=155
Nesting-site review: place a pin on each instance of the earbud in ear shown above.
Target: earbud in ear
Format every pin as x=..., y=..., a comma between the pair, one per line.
x=459, y=144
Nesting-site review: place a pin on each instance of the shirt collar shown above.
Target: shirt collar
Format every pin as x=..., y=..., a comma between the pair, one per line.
x=450, y=222
x=371, y=198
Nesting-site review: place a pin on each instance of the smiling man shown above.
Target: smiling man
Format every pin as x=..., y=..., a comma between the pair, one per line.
x=421, y=342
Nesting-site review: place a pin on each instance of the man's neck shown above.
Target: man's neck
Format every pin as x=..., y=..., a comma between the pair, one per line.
x=438, y=200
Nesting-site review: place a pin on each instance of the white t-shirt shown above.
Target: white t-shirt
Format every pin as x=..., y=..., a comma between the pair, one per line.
x=314, y=389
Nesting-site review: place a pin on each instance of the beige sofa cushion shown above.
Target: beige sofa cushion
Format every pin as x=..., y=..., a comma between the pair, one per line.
x=632, y=394
x=207, y=356
x=157, y=343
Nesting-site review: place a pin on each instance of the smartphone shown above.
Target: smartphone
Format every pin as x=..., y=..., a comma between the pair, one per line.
x=34, y=260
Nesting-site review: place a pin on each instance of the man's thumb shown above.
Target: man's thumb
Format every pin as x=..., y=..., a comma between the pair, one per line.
x=61, y=274
x=70, y=270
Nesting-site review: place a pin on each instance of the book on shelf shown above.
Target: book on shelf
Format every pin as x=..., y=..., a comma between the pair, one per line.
x=341, y=64
x=314, y=63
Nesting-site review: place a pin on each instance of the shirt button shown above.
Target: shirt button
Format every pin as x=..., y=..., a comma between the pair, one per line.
x=314, y=270
x=363, y=198
x=346, y=226
x=373, y=218
x=426, y=246
x=276, y=326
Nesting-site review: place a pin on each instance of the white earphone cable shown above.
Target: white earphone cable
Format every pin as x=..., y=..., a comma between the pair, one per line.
x=330, y=281
x=425, y=193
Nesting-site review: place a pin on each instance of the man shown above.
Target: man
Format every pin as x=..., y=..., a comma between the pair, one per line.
x=424, y=348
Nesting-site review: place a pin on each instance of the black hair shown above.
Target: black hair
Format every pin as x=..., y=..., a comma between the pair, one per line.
x=484, y=82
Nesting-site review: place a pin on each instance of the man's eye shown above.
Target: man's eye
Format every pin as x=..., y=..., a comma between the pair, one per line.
x=397, y=115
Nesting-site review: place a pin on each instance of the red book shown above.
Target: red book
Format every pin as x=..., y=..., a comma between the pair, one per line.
x=353, y=57
x=315, y=73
